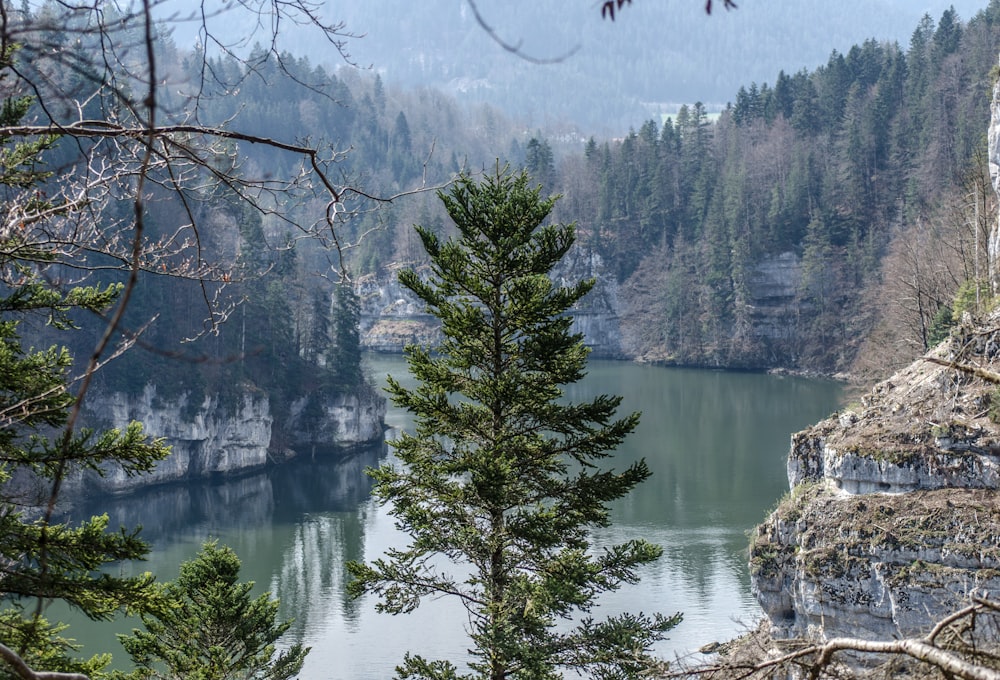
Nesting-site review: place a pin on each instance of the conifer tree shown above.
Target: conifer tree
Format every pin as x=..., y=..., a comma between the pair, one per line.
x=502, y=475
x=212, y=629
x=42, y=559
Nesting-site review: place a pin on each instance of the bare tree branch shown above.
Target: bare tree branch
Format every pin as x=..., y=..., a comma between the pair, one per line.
x=515, y=48
x=957, y=657
x=23, y=670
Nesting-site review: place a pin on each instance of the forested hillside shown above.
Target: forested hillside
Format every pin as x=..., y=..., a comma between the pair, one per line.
x=850, y=181
x=850, y=169
x=603, y=76
x=284, y=319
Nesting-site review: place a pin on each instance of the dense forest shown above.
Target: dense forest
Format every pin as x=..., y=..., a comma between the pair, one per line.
x=852, y=170
x=870, y=170
x=831, y=220
x=283, y=318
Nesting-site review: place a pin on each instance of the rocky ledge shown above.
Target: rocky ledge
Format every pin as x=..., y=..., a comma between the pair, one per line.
x=212, y=438
x=893, y=517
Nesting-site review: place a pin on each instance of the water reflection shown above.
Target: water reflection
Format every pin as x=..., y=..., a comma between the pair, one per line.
x=293, y=527
x=716, y=444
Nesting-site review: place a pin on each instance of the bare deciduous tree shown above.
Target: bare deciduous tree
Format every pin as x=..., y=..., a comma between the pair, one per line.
x=124, y=135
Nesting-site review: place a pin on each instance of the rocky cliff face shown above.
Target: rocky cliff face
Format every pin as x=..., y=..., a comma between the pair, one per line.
x=774, y=288
x=765, y=329
x=392, y=318
x=893, y=519
x=213, y=439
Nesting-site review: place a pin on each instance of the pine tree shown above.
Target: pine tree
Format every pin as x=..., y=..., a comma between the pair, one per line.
x=40, y=441
x=502, y=475
x=344, y=361
x=212, y=629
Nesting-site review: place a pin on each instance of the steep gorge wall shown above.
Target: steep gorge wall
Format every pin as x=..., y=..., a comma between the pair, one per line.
x=613, y=324
x=214, y=439
x=893, y=519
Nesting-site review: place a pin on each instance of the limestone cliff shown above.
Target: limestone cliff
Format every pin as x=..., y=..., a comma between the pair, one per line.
x=893, y=518
x=215, y=438
x=765, y=331
x=391, y=317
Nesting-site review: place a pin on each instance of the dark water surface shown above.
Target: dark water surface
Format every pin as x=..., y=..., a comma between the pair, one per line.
x=715, y=441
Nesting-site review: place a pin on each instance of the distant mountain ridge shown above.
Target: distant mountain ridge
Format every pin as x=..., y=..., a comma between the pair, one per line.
x=654, y=56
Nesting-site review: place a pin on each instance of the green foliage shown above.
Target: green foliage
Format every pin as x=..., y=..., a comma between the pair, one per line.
x=211, y=628
x=344, y=359
x=994, y=406
x=941, y=325
x=973, y=297
x=39, y=443
x=700, y=225
x=44, y=646
x=502, y=476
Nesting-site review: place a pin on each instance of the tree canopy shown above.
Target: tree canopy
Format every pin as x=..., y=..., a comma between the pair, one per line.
x=502, y=477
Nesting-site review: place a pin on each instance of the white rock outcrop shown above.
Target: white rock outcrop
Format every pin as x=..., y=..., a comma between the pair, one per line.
x=893, y=519
x=215, y=439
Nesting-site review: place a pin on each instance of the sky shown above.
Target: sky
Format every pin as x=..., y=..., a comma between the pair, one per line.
x=691, y=56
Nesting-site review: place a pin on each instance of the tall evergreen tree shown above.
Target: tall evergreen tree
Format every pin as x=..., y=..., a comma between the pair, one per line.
x=345, y=351
x=40, y=442
x=502, y=475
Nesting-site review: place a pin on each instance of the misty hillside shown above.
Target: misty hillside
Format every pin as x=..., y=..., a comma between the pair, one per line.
x=609, y=75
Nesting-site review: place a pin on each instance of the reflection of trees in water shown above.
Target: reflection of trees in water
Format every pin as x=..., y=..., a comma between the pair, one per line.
x=317, y=501
x=309, y=487
x=280, y=494
x=322, y=505
x=702, y=558
x=170, y=511
x=293, y=526
x=311, y=580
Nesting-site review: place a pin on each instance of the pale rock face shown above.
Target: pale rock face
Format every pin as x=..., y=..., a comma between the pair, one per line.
x=893, y=519
x=596, y=315
x=774, y=287
x=215, y=440
x=391, y=317
x=348, y=420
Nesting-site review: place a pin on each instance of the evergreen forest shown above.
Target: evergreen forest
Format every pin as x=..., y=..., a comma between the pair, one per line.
x=829, y=221
x=853, y=173
x=871, y=171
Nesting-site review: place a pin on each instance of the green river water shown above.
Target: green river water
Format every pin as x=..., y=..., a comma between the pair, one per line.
x=715, y=441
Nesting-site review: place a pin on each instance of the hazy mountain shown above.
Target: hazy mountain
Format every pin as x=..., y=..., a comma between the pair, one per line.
x=608, y=75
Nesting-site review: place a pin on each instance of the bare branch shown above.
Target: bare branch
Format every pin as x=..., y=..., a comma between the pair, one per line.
x=983, y=373
x=24, y=671
x=515, y=48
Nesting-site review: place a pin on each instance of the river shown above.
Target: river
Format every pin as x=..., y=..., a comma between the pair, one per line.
x=715, y=441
